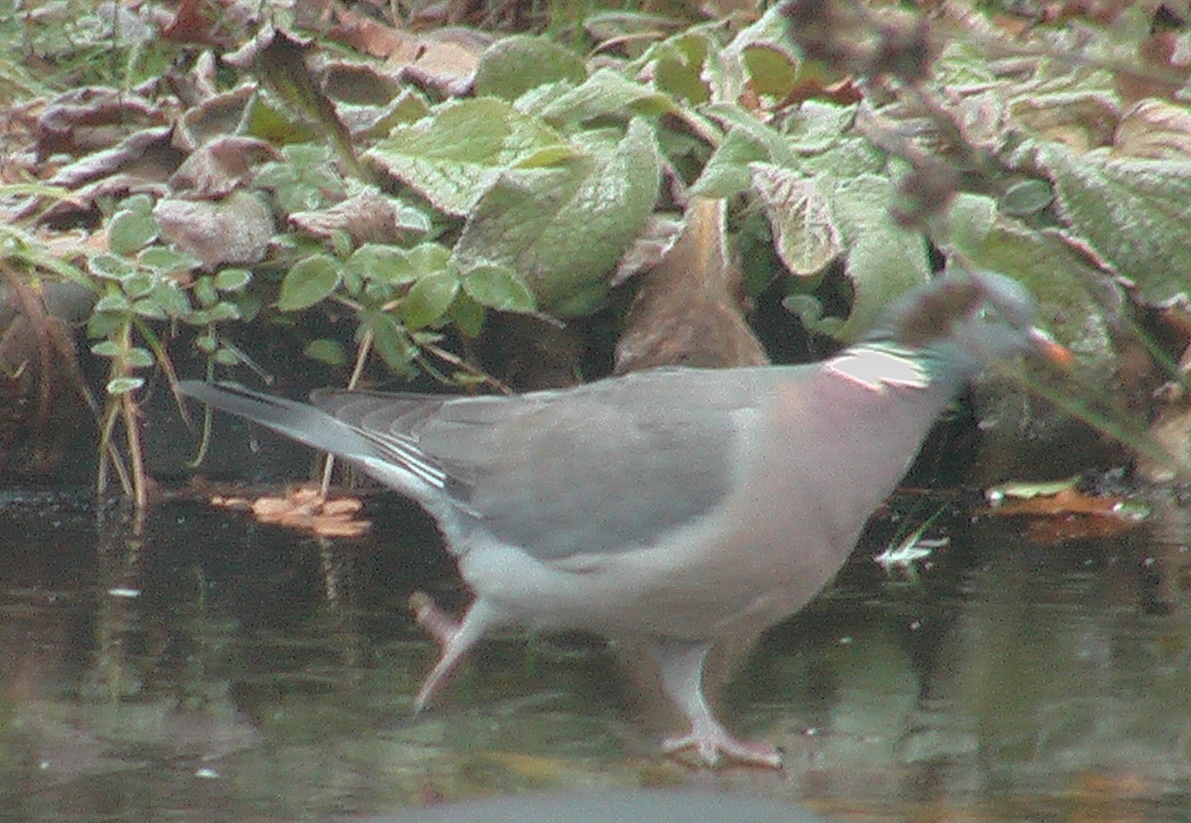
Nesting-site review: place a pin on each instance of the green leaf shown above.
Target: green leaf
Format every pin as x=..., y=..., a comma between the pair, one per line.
x=514, y=65
x=883, y=260
x=771, y=70
x=563, y=229
x=123, y=385
x=467, y=315
x=282, y=65
x=799, y=210
x=429, y=299
x=113, y=303
x=390, y=340
x=139, y=285
x=308, y=282
x=342, y=243
x=456, y=156
x=498, y=287
x=137, y=204
x=204, y=291
x=429, y=257
x=762, y=54
x=1026, y=197
x=606, y=93
x=677, y=65
x=215, y=314
x=100, y=324
x=326, y=351
x=149, y=308
x=818, y=127
x=232, y=280
x=262, y=119
x=1131, y=211
x=727, y=172
x=138, y=358
x=169, y=296
x=225, y=357
x=129, y=231
x=304, y=181
x=387, y=264
x=105, y=348
x=166, y=261
x=248, y=305
x=110, y=267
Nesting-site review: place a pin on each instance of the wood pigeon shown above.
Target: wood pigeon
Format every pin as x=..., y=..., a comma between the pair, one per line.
x=667, y=507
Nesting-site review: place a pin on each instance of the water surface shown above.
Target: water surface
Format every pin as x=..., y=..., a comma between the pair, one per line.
x=203, y=667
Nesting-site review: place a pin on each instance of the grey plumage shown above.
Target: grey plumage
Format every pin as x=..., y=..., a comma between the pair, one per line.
x=672, y=507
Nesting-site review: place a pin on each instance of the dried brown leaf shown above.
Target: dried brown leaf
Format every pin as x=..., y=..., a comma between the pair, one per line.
x=235, y=230
x=220, y=166
x=368, y=217
x=92, y=118
x=688, y=310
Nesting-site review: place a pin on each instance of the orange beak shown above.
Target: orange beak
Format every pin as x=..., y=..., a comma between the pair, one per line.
x=1053, y=351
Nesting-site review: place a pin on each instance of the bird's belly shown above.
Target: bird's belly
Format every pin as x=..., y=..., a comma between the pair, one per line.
x=685, y=586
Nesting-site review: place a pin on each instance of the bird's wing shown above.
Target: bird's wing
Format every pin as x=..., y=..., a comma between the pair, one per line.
x=604, y=467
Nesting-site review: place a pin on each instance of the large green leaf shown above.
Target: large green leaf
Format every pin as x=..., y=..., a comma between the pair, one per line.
x=605, y=93
x=1134, y=212
x=562, y=229
x=804, y=232
x=727, y=172
x=514, y=65
x=1058, y=274
x=883, y=260
x=454, y=157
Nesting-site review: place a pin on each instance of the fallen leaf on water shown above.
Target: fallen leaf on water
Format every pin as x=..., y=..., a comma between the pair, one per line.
x=303, y=507
x=1071, y=515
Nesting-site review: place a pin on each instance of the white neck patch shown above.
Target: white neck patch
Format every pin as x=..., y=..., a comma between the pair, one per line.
x=878, y=369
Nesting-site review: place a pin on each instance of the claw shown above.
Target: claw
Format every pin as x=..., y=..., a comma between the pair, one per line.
x=714, y=743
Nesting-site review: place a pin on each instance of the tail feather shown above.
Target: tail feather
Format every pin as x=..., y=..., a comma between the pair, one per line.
x=300, y=421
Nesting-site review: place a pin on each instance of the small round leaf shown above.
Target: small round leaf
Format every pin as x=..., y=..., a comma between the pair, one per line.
x=130, y=231
x=326, y=351
x=123, y=385
x=310, y=281
x=232, y=279
x=498, y=287
x=429, y=299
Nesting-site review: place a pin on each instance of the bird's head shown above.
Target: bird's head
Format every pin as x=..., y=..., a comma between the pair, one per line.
x=972, y=319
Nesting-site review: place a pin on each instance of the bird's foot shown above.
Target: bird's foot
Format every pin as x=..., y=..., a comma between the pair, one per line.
x=713, y=744
x=454, y=637
x=440, y=625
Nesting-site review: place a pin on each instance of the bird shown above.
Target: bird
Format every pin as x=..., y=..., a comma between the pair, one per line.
x=668, y=507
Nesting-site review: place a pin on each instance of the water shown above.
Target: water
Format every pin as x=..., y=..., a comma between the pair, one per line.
x=201, y=667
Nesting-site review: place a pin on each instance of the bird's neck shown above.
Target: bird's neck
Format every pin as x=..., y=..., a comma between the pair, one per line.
x=881, y=366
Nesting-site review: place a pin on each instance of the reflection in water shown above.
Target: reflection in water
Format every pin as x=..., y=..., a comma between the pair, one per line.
x=202, y=667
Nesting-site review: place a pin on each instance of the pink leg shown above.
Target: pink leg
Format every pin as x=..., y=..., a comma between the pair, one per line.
x=454, y=637
x=682, y=678
x=437, y=623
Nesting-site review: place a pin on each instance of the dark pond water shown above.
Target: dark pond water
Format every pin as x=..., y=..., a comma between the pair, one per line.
x=202, y=667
